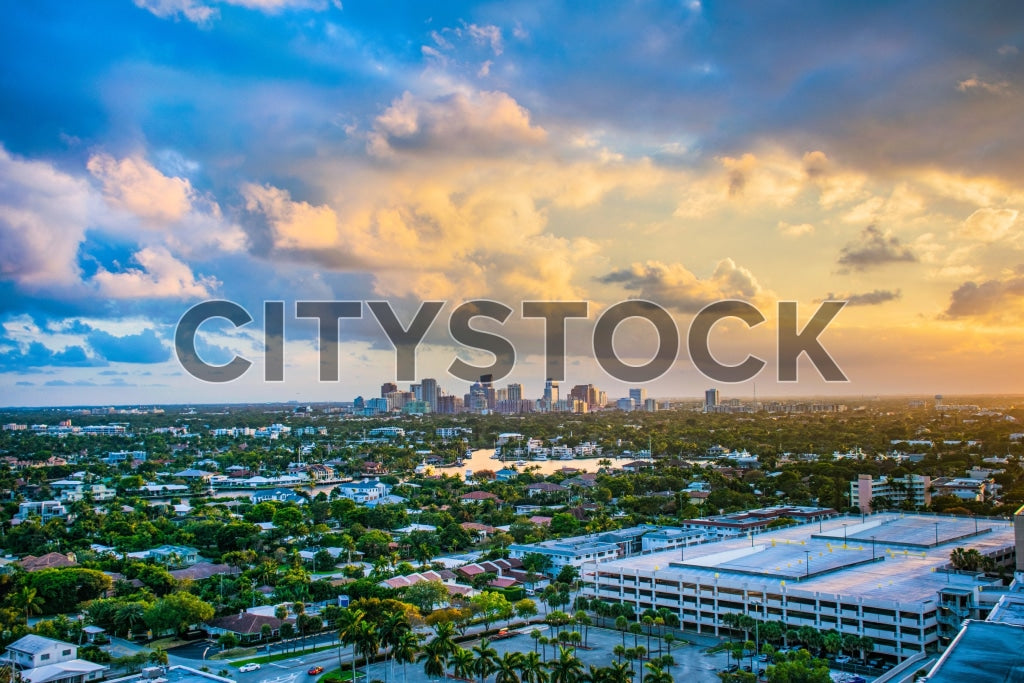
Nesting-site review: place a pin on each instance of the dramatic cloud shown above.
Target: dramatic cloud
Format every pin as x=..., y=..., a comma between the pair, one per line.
x=478, y=124
x=675, y=286
x=872, y=298
x=996, y=299
x=874, y=248
x=134, y=185
x=43, y=216
x=295, y=225
x=161, y=276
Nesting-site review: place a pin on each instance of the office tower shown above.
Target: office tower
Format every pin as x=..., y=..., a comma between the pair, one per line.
x=388, y=388
x=625, y=404
x=638, y=396
x=515, y=392
x=650, y=405
x=428, y=387
x=710, y=400
x=550, y=394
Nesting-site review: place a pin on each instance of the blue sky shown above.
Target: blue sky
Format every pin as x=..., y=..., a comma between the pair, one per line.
x=158, y=153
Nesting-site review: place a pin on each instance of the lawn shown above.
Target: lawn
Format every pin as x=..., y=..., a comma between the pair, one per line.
x=280, y=656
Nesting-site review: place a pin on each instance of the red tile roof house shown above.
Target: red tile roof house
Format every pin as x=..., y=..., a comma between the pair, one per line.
x=246, y=627
x=479, y=497
x=31, y=563
x=544, y=487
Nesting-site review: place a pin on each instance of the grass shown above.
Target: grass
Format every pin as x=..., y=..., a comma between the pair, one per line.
x=338, y=675
x=235, y=652
x=280, y=656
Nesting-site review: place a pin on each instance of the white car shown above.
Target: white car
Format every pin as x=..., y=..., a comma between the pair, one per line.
x=251, y=666
x=843, y=659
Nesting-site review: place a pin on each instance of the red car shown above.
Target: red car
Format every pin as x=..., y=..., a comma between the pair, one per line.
x=315, y=670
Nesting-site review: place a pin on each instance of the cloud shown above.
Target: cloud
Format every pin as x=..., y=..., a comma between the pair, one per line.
x=874, y=248
x=295, y=225
x=161, y=276
x=996, y=299
x=675, y=286
x=43, y=216
x=37, y=355
x=169, y=207
x=202, y=13
x=136, y=186
x=479, y=123
x=798, y=230
x=144, y=347
x=872, y=298
x=992, y=88
x=989, y=225
x=192, y=10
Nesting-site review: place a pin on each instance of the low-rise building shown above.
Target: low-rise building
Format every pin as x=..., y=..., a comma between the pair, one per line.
x=45, y=660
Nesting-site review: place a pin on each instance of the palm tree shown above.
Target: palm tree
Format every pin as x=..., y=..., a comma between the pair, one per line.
x=567, y=668
x=620, y=672
x=129, y=617
x=28, y=599
x=391, y=629
x=444, y=635
x=584, y=620
x=434, y=658
x=621, y=623
x=486, y=659
x=649, y=623
x=405, y=649
x=367, y=642
x=535, y=634
x=532, y=668
x=636, y=629
x=348, y=624
x=544, y=640
x=656, y=674
x=507, y=670
x=619, y=651
x=463, y=663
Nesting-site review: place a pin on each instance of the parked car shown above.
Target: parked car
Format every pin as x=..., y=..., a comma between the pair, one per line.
x=844, y=659
x=315, y=670
x=251, y=666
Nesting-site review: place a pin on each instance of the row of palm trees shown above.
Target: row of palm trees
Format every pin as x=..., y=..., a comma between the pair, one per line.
x=391, y=632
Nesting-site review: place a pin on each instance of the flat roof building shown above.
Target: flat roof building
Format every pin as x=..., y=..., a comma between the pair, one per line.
x=883, y=576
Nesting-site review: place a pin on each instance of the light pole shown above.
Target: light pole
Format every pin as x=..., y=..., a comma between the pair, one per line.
x=807, y=559
x=936, y=532
x=757, y=639
x=872, y=547
x=844, y=535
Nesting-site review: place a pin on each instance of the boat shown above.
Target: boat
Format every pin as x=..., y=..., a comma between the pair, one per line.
x=521, y=463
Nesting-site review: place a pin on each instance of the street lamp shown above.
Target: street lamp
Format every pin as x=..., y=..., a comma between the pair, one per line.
x=844, y=534
x=936, y=532
x=807, y=559
x=872, y=547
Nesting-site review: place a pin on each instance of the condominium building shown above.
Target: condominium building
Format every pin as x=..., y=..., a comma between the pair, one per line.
x=870, y=494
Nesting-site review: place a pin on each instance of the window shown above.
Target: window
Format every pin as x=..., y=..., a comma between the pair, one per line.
x=43, y=658
x=65, y=653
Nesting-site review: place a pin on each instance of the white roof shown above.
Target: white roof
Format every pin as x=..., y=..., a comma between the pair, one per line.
x=53, y=672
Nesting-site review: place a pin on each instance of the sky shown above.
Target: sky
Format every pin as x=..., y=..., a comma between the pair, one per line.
x=156, y=154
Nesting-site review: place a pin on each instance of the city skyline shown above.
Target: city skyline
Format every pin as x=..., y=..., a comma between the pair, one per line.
x=307, y=150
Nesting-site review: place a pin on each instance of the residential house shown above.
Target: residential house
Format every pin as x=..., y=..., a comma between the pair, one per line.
x=45, y=660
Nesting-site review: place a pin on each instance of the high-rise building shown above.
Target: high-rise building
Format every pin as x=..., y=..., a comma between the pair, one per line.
x=428, y=389
x=710, y=400
x=650, y=405
x=626, y=404
x=515, y=392
x=388, y=388
x=550, y=394
x=638, y=396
